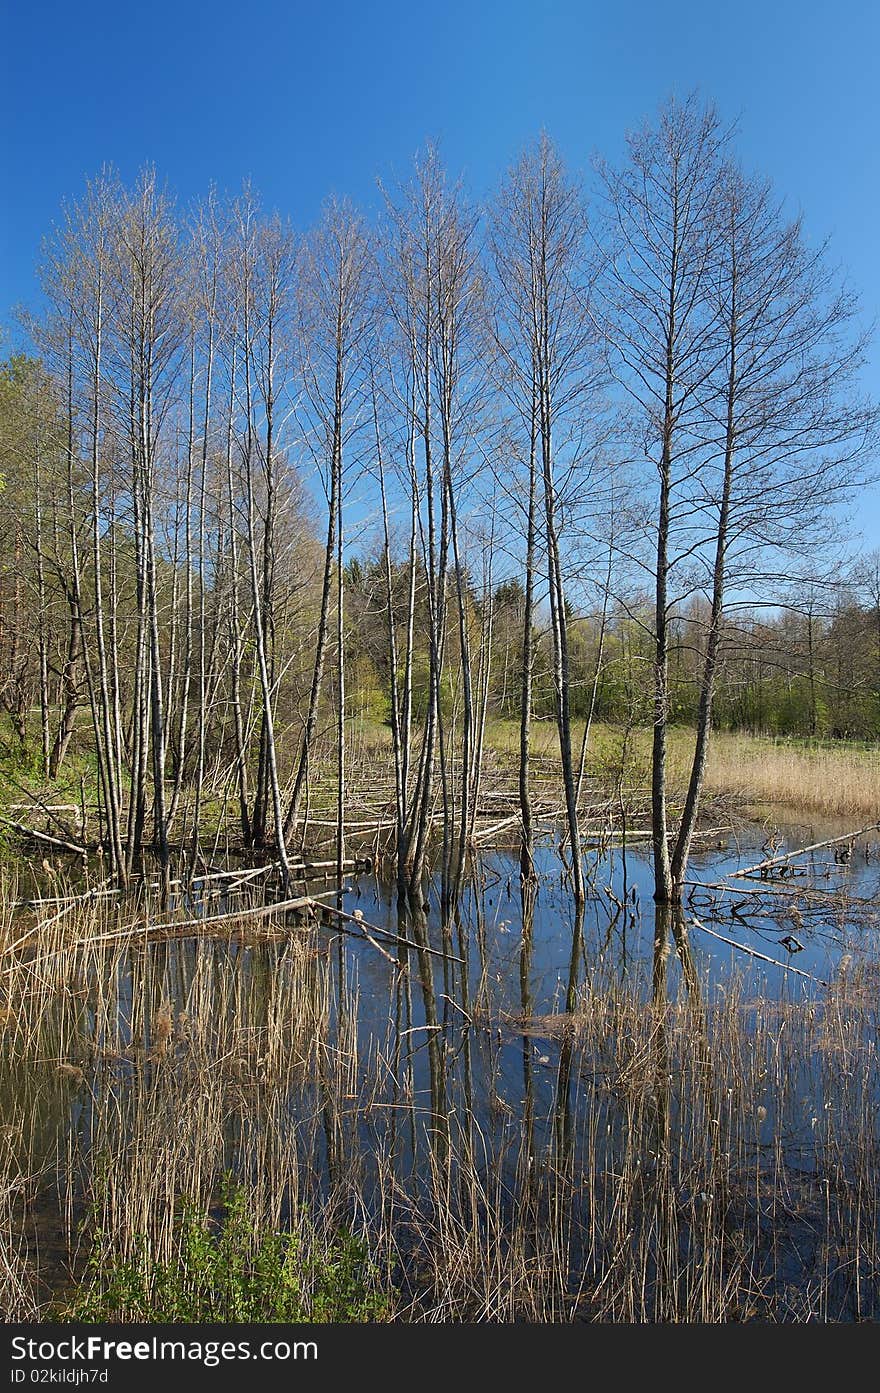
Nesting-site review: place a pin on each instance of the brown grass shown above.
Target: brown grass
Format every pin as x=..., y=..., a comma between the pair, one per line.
x=835, y=781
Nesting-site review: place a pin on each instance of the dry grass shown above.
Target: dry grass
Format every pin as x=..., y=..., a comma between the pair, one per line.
x=829, y=780
x=839, y=781
x=18, y=1295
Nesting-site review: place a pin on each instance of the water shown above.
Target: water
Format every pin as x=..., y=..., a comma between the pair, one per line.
x=822, y=910
x=513, y=993
x=630, y=1086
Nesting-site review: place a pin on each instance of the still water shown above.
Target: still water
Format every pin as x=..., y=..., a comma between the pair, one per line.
x=663, y=1119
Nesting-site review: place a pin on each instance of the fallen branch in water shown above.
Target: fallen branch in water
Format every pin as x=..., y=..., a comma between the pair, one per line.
x=802, y=851
x=753, y=953
x=365, y=934
x=388, y=935
x=189, y=926
x=98, y=892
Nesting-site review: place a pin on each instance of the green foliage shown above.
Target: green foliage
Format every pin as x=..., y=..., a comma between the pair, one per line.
x=367, y=698
x=21, y=766
x=421, y=688
x=17, y=761
x=619, y=761
x=21, y=770
x=231, y=1270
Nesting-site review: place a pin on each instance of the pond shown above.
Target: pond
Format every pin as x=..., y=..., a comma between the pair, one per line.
x=626, y=1115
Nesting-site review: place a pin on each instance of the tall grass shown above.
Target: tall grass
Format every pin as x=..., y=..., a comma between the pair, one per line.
x=831, y=781
x=18, y=1292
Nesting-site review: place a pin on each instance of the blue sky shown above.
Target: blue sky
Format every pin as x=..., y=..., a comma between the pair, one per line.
x=309, y=99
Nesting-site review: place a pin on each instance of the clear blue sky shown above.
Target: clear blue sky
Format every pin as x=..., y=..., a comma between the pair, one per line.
x=311, y=98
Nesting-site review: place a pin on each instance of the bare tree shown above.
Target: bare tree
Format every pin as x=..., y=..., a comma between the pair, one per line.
x=740, y=351
x=661, y=325
x=78, y=280
x=547, y=339
x=150, y=335
x=262, y=289
x=786, y=432
x=334, y=322
x=432, y=291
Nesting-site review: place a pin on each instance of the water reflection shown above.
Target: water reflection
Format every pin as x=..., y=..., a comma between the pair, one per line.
x=592, y=1110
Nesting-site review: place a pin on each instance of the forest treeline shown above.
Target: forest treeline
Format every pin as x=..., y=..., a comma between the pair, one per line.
x=575, y=455
x=810, y=669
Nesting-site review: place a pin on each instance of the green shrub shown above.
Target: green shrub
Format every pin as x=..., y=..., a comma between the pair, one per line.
x=231, y=1271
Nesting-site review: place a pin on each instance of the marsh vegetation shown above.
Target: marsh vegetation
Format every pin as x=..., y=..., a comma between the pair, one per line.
x=538, y=1114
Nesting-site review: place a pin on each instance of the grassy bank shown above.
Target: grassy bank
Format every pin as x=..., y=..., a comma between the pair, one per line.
x=819, y=778
x=806, y=779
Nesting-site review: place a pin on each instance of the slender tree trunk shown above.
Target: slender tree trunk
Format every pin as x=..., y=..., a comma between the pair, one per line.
x=103, y=732
x=340, y=642
x=69, y=690
x=484, y=680
x=681, y=853
x=659, y=822
x=527, y=846
x=436, y=593
x=42, y=639
x=562, y=681
x=235, y=624
x=204, y=703
x=467, y=739
x=406, y=698
x=323, y=635
x=394, y=693
x=260, y=639
x=179, y=763
x=266, y=689
x=597, y=671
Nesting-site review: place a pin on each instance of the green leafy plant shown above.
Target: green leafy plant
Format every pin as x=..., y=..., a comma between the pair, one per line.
x=231, y=1270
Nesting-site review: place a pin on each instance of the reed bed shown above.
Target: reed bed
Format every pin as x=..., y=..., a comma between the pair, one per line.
x=829, y=780
x=832, y=781
x=684, y=1155
x=18, y=1295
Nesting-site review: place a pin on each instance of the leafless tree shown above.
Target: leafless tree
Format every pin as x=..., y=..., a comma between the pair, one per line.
x=334, y=324
x=661, y=324
x=547, y=340
x=740, y=350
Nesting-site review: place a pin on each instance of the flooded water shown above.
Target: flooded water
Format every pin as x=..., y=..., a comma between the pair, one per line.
x=515, y=979
x=643, y=1116
x=824, y=907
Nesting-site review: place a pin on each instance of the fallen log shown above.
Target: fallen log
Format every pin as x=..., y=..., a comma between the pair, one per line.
x=485, y=832
x=802, y=851
x=44, y=838
x=753, y=953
